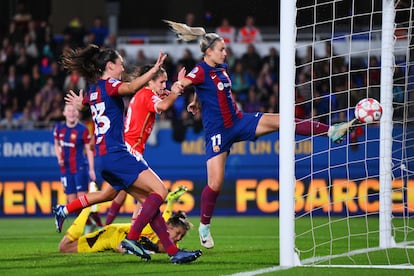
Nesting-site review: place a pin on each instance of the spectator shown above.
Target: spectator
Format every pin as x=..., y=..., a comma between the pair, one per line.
x=267, y=75
x=263, y=87
x=111, y=41
x=6, y=98
x=75, y=32
x=35, y=35
x=30, y=46
x=249, y=33
x=241, y=81
x=8, y=122
x=99, y=30
x=57, y=74
x=304, y=91
x=272, y=105
x=14, y=35
x=40, y=108
x=187, y=60
x=24, y=62
x=37, y=78
x=24, y=91
x=226, y=31
x=273, y=60
x=142, y=58
x=54, y=114
x=26, y=121
x=74, y=81
x=12, y=78
x=252, y=61
x=22, y=17
x=6, y=55
x=253, y=104
x=190, y=19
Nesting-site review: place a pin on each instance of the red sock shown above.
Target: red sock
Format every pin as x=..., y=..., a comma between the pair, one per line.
x=112, y=212
x=160, y=228
x=149, y=209
x=97, y=218
x=309, y=127
x=208, y=202
x=77, y=204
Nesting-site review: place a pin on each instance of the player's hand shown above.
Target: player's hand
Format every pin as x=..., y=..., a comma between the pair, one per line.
x=181, y=74
x=161, y=57
x=177, y=88
x=74, y=99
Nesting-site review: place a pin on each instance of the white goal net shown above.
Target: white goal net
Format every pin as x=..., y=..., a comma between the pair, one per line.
x=353, y=201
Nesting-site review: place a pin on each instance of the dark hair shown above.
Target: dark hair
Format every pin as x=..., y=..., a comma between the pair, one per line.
x=180, y=219
x=90, y=61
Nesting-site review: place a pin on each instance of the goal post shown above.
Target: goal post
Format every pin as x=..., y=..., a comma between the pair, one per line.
x=287, y=131
x=387, y=72
x=351, y=203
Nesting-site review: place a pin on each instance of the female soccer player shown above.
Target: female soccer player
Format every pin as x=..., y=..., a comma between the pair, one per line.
x=73, y=152
x=102, y=68
x=75, y=156
x=223, y=123
x=150, y=100
x=111, y=236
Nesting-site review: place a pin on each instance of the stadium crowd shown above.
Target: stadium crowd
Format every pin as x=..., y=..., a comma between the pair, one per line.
x=33, y=83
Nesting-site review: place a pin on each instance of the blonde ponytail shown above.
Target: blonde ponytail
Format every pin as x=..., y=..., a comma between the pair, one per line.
x=185, y=32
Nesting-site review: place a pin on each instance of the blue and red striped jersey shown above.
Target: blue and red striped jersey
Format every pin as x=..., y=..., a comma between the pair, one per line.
x=213, y=88
x=107, y=108
x=72, y=141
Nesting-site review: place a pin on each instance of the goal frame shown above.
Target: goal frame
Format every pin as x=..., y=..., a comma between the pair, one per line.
x=288, y=257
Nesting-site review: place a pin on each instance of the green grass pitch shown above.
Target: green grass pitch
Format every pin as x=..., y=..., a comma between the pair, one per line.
x=29, y=246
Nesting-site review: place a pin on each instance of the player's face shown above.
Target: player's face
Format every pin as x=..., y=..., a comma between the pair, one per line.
x=218, y=54
x=118, y=68
x=177, y=233
x=71, y=114
x=158, y=85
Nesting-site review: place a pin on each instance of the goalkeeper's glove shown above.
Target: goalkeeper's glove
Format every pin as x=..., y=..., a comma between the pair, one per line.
x=149, y=245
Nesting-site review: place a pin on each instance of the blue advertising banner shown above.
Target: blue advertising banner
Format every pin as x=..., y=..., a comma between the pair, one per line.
x=29, y=174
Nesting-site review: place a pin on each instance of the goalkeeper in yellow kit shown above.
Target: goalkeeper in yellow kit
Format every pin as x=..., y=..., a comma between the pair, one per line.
x=110, y=236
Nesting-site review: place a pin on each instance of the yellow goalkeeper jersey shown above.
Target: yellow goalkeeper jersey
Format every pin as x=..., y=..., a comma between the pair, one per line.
x=109, y=237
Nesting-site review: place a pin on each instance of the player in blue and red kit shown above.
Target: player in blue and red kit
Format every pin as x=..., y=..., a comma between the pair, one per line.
x=75, y=158
x=124, y=171
x=223, y=123
x=74, y=154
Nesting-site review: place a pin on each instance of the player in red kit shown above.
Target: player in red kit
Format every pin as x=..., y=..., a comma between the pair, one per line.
x=150, y=100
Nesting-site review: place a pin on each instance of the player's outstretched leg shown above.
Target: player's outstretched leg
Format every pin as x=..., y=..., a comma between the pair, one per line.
x=134, y=247
x=60, y=216
x=338, y=131
x=175, y=195
x=183, y=256
x=206, y=239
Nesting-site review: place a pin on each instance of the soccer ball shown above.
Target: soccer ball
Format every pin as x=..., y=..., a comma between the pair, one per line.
x=368, y=110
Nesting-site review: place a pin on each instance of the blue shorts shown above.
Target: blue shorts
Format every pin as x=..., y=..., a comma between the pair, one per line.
x=121, y=168
x=222, y=140
x=76, y=182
